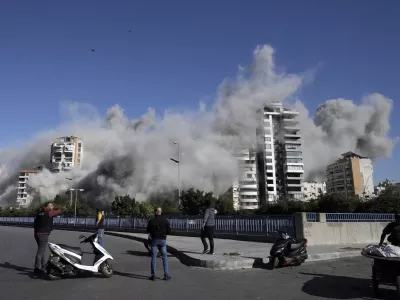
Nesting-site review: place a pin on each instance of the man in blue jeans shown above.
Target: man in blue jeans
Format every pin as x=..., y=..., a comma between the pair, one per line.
x=158, y=228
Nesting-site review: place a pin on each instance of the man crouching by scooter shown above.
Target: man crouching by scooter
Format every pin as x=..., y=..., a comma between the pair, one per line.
x=43, y=226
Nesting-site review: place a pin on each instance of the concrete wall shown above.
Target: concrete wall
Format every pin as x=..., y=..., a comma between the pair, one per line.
x=333, y=233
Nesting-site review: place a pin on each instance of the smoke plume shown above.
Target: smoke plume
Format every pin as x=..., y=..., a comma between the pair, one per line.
x=125, y=156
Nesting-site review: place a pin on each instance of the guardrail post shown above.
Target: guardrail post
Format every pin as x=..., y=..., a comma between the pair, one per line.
x=187, y=224
x=134, y=223
x=119, y=222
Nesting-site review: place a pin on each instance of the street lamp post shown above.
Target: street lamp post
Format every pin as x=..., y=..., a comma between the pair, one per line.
x=179, y=171
x=76, y=197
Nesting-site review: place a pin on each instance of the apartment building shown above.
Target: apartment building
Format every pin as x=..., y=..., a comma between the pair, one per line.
x=352, y=175
x=66, y=153
x=245, y=189
x=274, y=167
x=313, y=189
x=24, y=199
x=281, y=165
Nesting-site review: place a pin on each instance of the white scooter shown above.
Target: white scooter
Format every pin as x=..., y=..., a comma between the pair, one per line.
x=66, y=261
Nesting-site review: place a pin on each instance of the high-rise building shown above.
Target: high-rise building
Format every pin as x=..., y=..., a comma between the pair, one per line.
x=245, y=189
x=351, y=175
x=66, y=153
x=282, y=157
x=276, y=161
x=24, y=199
x=313, y=189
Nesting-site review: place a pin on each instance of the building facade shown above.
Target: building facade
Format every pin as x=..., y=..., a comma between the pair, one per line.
x=280, y=143
x=24, y=199
x=313, y=189
x=351, y=175
x=66, y=153
x=275, y=166
x=245, y=189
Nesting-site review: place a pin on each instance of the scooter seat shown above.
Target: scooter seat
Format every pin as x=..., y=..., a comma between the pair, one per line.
x=296, y=246
x=75, y=250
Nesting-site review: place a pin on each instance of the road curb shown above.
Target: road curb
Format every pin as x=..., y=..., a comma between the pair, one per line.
x=235, y=263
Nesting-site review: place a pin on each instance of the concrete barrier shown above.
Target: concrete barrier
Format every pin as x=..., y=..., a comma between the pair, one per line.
x=337, y=233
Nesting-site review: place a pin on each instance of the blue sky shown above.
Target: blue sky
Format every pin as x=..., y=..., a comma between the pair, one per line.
x=179, y=51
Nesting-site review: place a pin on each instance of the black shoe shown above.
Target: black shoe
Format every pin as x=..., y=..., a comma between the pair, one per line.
x=167, y=277
x=205, y=251
x=37, y=271
x=152, y=278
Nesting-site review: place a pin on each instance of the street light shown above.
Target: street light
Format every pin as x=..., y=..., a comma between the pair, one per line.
x=76, y=197
x=179, y=172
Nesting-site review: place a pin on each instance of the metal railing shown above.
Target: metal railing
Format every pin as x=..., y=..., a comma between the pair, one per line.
x=259, y=225
x=359, y=217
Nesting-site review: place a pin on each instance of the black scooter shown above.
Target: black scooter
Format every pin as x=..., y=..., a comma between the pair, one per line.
x=288, y=251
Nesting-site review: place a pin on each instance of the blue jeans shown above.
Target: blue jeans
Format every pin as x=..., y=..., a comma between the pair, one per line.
x=100, y=235
x=162, y=245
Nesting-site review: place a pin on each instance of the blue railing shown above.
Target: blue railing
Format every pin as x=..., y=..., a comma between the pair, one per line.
x=312, y=217
x=359, y=217
x=259, y=225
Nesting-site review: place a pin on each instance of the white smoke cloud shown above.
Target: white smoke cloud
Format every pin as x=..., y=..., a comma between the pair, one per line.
x=124, y=156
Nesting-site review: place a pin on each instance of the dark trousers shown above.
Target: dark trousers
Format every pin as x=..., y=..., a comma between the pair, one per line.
x=40, y=260
x=208, y=232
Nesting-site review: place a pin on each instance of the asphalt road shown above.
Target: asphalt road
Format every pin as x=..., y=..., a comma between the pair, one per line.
x=340, y=279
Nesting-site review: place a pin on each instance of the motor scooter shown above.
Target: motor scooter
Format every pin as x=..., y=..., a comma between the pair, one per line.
x=288, y=251
x=66, y=260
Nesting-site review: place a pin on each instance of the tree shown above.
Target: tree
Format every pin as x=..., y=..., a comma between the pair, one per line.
x=224, y=203
x=193, y=201
x=127, y=206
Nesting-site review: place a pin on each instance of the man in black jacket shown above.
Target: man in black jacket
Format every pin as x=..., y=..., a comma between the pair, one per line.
x=43, y=225
x=158, y=228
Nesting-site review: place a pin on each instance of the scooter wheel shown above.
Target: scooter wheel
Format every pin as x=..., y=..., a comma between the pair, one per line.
x=53, y=274
x=106, y=269
x=274, y=262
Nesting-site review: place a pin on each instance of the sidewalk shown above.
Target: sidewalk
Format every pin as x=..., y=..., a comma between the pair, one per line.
x=252, y=254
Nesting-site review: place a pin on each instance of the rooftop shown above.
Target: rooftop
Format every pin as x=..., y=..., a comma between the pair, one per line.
x=352, y=154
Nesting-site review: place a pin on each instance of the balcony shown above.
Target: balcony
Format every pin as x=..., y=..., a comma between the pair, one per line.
x=57, y=149
x=295, y=178
x=292, y=135
x=69, y=149
x=290, y=112
x=294, y=169
x=248, y=193
x=293, y=141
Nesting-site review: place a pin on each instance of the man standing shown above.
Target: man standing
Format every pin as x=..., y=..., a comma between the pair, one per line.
x=208, y=228
x=393, y=229
x=43, y=226
x=158, y=228
x=100, y=227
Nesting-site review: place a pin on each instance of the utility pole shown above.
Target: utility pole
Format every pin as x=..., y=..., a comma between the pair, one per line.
x=179, y=171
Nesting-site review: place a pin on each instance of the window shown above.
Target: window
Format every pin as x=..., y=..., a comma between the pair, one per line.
x=249, y=176
x=268, y=160
x=267, y=139
x=267, y=146
x=268, y=153
x=269, y=167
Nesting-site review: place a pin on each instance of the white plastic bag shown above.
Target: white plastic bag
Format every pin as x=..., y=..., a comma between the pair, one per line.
x=392, y=251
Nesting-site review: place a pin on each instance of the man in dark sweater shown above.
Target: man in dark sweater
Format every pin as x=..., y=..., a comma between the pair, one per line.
x=208, y=228
x=158, y=228
x=43, y=226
